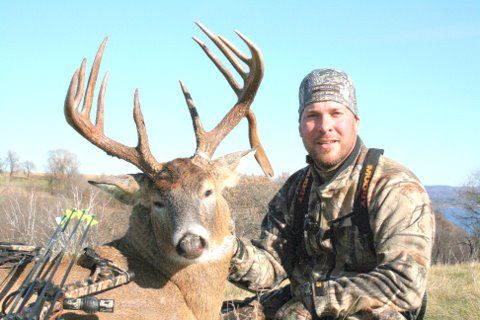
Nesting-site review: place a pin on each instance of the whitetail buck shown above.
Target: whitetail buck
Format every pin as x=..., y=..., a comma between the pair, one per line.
x=179, y=242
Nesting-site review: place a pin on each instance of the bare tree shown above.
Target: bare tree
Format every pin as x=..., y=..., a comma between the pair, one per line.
x=3, y=165
x=470, y=200
x=12, y=162
x=28, y=167
x=452, y=243
x=62, y=168
x=469, y=196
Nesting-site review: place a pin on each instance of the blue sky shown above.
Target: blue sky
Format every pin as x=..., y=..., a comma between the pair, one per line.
x=415, y=65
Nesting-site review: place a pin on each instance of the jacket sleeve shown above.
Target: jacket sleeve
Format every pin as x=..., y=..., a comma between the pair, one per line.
x=403, y=223
x=268, y=260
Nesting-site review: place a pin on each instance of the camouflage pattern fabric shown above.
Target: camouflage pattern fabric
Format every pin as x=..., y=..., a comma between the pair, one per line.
x=279, y=305
x=353, y=281
x=327, y=85
x=293, y=310
x=89, y=286
x=260, y=307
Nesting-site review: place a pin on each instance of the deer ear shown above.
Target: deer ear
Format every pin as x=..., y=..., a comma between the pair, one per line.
x=229, y=166
x=125, y=188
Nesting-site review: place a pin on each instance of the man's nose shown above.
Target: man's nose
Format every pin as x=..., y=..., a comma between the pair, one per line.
x=326, y=124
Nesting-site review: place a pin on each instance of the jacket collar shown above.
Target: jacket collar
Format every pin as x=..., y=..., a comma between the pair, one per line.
x=340, y=171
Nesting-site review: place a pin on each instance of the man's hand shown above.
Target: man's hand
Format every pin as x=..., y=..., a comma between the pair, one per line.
x=238, y=249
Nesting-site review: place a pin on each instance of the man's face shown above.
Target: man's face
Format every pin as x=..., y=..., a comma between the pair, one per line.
x=329, y=132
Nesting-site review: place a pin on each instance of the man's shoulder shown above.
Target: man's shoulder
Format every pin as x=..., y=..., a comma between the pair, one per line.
x=394, y=175
x=299, y=174
x=394, y=169
x=297, y=177
x=294, y=181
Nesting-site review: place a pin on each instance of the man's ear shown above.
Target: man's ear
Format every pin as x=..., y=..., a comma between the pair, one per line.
x=229, y=165
x=125, y=188
x=357, y=123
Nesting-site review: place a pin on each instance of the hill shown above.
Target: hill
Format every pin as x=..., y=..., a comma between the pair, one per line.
x=446, y=200
x=442, y=195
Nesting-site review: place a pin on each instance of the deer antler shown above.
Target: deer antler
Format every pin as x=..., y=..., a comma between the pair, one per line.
x=207, y=142
x=140, y=155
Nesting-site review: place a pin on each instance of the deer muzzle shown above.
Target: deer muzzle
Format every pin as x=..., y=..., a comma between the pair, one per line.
x=191, y=246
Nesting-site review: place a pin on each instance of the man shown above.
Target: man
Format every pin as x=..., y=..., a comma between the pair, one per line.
x=367, y=262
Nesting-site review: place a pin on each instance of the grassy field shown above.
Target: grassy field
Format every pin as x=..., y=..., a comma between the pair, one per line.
x=454, y=292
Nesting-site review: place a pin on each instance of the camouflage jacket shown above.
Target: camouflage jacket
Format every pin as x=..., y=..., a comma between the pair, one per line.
x=352, y=276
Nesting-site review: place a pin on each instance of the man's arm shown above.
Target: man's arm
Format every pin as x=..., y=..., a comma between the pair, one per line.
x=266, y=262
x=403, y=225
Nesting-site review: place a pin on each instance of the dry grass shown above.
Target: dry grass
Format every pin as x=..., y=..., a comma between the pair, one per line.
x=28, y=211
x=248, y=203
x=454, y=292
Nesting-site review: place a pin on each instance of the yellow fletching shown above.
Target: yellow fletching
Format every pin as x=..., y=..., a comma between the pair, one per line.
x=90, y=219
x=80, y=214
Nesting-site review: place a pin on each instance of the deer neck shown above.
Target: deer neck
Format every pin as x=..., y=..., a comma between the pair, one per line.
x=208, y=277
x=203, y=286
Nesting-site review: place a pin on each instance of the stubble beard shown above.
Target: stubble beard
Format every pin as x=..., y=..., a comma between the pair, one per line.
x=327, y=163
x=331, y=160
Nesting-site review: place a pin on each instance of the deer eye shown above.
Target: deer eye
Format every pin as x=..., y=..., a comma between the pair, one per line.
x=158, y=205
x=208, y=193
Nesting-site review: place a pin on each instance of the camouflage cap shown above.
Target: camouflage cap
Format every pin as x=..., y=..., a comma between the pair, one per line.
x=327, y=85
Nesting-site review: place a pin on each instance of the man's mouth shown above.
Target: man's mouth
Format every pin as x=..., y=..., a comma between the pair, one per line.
x=326, y=142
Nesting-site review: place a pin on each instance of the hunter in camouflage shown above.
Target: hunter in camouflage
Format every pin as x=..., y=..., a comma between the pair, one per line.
x=336, y=272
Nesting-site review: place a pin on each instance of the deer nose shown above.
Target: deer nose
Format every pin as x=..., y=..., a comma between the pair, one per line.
x=191, y=246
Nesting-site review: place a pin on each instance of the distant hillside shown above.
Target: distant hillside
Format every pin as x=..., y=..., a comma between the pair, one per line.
x=446, y=200
x=443, y=195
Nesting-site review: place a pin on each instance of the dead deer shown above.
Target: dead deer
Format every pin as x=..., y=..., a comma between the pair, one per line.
x=179, y=242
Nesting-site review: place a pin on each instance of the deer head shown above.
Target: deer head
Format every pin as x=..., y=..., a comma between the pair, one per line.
x=183, y=197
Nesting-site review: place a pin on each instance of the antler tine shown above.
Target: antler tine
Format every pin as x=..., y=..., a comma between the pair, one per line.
x=74, y=93
x=143, y=146
x=218, y=41
x=255, y=63
x=229, y=52
x=92, y=80
x=260, y=154
x=197, y=123
x=235, y=50
x=228, y=76
x=224, y=49
x=99, y=117
x=139, y=156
